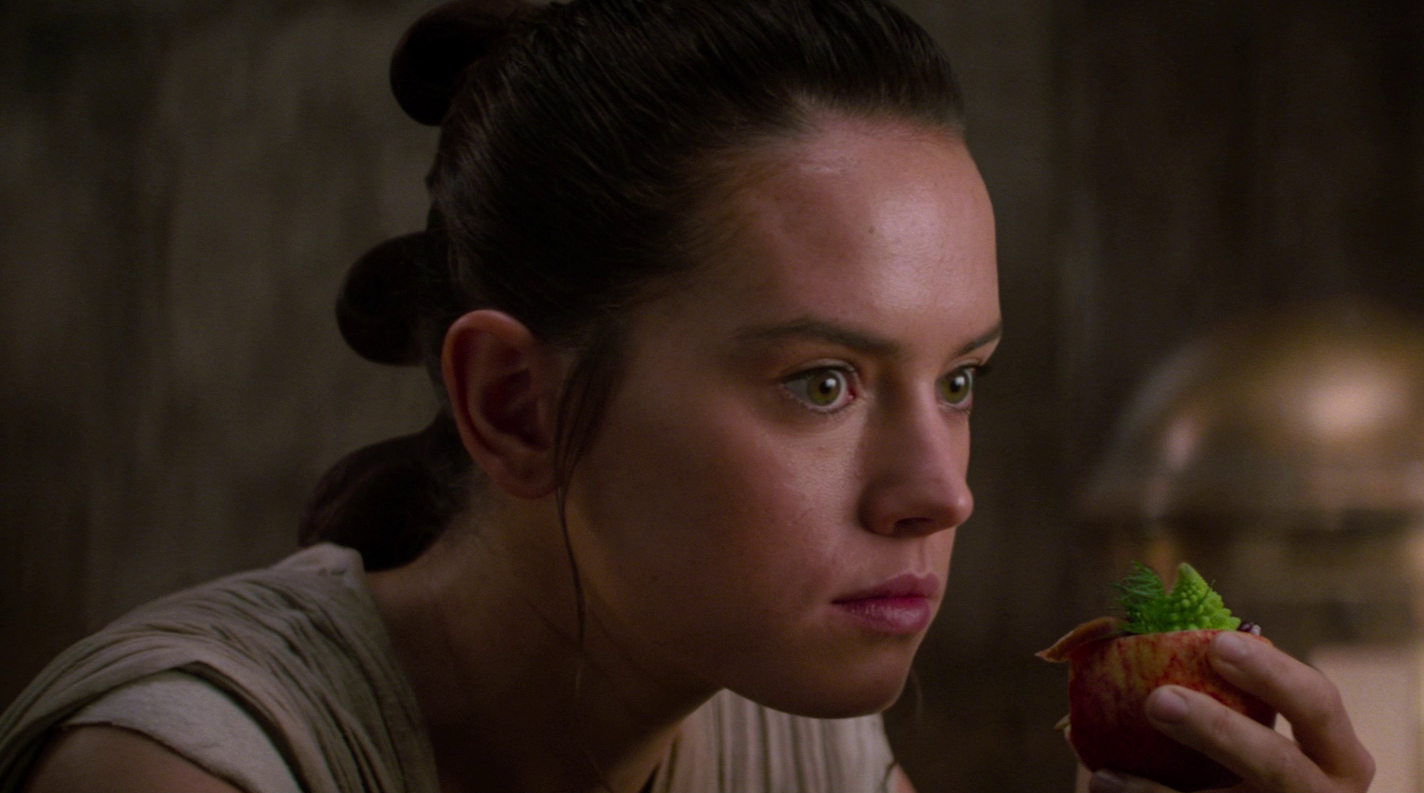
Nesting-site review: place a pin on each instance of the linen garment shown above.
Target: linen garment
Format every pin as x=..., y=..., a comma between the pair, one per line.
x=282, y=679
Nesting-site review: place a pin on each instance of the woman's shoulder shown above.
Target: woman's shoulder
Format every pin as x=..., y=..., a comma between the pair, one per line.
x=321, y=576
x=186, y=716
x=105, y=759
x=323, y=582
x=299, y=645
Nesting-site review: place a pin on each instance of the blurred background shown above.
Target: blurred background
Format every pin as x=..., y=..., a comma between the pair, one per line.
x=183, y=184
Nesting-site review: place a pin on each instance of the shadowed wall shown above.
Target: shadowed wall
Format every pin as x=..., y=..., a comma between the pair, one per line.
x=182, y=186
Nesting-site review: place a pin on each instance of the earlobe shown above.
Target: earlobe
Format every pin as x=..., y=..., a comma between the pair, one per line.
x=503, y=384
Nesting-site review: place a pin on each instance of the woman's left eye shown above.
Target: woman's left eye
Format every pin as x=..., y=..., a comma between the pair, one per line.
x=823, y=390
x=957, y=387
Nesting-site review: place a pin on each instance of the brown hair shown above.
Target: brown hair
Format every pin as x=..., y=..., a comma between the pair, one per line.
x=578, y=144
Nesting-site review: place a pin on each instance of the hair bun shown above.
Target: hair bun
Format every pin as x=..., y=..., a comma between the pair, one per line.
x=388, y=500
x=430, y=60
x=378, y=310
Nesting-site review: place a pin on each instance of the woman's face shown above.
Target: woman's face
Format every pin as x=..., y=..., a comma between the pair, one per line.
x=772, y=498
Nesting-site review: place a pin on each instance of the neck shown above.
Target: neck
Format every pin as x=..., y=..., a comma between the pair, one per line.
x=485, y=624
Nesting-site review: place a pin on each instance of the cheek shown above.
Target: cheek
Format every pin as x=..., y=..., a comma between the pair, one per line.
x=693, y=504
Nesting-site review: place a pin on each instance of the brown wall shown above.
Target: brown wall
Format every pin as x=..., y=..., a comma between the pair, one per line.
x=182, y=186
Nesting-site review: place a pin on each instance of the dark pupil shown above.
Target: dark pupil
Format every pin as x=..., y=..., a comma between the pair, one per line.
x=958, y=385
x=827, y=388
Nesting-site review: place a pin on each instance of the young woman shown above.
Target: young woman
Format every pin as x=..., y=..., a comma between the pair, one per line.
x=705, y=291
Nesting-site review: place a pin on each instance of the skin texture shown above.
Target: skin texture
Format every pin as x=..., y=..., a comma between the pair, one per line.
x=718, y=514
x=723, y=514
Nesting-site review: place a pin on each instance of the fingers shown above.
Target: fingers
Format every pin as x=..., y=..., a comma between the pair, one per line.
x=1325, y=757
x=1260, y=755
x=1113, y=782
x=1304, y=697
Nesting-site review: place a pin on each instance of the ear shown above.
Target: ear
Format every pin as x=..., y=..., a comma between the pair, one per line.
x=503, y=385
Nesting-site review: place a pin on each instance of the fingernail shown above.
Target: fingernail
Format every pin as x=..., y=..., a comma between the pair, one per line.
x=1166, y=705
x=1231, y=648
x=1106, y=782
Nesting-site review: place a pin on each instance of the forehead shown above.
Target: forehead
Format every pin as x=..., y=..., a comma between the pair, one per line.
x=872, y=224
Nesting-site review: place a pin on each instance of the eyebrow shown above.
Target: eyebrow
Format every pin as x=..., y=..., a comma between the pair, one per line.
x=840, y=335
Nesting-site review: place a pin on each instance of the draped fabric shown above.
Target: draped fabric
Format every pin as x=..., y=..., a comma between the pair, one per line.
x=195, y=719
x=299, y=650
x=300, y=646
x=733, y=744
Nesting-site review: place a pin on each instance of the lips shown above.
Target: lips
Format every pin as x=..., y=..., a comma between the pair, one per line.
x=900, y=605
x=904, y=585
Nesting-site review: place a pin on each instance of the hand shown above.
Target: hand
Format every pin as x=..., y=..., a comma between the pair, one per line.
x=1325, y=756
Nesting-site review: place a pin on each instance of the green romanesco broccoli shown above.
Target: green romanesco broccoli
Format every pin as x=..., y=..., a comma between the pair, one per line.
x=1191, y=605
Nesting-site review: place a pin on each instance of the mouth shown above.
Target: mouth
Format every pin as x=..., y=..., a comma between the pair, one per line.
x=904, y=604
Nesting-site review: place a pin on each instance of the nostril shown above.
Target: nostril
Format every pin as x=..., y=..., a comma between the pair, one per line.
x=913, y=526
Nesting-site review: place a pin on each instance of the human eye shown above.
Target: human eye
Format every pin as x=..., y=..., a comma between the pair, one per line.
x=956, y=389
x=824, y=389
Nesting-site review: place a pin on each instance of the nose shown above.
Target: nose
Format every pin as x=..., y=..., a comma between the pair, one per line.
x=917, y=467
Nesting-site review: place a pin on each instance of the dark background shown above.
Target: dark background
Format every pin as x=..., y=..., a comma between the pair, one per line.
x=183, y=184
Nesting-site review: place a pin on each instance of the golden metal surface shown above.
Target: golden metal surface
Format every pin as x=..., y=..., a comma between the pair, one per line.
x=1316, y=410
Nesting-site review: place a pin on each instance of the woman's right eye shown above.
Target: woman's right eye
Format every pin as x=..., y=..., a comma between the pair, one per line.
x=824, y=390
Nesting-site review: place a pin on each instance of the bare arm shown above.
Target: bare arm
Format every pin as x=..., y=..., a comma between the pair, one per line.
x=114, y=760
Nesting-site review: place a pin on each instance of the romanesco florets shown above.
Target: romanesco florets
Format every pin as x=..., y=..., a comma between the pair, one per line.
x=1191, y=605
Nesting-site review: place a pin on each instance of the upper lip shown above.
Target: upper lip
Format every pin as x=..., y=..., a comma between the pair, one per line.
x=924, y=585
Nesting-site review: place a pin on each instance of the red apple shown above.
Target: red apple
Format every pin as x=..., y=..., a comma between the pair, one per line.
x=1110, y=676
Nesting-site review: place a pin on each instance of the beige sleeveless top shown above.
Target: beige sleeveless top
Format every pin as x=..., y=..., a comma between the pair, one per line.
x=281, y=680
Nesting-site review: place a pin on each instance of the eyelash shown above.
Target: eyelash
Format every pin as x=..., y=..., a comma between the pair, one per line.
x=848, y=374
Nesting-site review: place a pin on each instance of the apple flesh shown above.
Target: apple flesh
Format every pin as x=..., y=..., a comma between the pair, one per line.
x=1109, y=679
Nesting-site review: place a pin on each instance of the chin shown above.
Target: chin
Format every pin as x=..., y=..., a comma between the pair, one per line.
x=848, y=690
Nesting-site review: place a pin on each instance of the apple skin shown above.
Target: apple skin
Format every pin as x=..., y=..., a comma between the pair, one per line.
x=1109, y=680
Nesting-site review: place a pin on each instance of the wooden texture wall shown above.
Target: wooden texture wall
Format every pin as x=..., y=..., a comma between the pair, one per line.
x=182, y=186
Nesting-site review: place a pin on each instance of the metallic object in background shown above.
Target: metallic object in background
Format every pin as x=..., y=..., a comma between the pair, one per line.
x=1283, y=455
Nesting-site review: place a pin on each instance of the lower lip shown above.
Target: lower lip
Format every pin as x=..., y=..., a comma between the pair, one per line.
x=893, y=615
